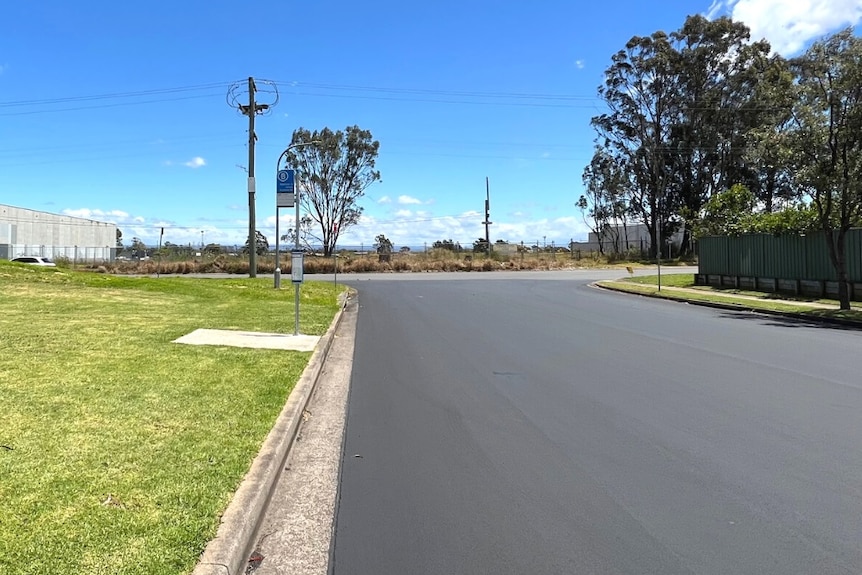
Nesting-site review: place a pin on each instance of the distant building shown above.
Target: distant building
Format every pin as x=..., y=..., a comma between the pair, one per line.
x=619, y=239
x=25, y=232
x=505, y=248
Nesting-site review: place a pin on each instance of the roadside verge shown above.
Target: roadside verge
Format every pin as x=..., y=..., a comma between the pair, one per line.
x=229, y=551
x=810, y=312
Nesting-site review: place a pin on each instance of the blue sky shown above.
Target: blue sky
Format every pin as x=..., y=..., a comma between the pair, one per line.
x=117, y=111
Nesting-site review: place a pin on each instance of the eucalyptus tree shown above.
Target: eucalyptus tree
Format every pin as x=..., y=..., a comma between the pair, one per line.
x=718, y=72
x=334, y=169
x=640, y=91
x=828, y=143
x=604, y=206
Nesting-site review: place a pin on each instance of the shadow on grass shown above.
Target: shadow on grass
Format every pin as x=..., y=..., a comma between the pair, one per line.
x=766, y=296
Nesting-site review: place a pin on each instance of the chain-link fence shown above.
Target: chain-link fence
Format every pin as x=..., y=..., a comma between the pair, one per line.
x=74, y=254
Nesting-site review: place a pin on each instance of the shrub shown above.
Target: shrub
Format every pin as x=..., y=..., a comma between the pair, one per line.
x=361, y=265
x=401, y=265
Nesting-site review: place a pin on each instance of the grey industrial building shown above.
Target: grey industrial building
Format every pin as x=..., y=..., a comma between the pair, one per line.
x=25, y=232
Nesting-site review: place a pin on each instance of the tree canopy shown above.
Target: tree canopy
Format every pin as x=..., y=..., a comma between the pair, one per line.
x=261, y=244
x=828, y=140
x=333, y=171
x=383, y=245
x=446, y=245
x=682, y=110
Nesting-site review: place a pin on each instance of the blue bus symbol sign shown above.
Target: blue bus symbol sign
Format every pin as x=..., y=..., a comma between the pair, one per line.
x=284, y=181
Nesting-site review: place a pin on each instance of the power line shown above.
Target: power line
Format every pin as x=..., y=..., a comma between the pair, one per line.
x=437, y=92
x=111, y=145
x=440, y=101
x=419, y=220
x=104, y=106
x=112, y=95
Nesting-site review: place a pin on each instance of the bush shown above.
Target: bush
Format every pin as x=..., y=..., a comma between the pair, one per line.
x=361, y=265
x=401, y=265
x=63, y=262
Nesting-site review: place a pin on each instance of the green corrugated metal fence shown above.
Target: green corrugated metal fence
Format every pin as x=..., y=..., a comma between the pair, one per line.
x=785, y=257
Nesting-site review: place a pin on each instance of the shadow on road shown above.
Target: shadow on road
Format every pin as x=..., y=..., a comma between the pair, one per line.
x=786, y=321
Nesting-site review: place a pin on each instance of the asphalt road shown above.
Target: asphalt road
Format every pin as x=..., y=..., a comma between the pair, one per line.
x=531, y=424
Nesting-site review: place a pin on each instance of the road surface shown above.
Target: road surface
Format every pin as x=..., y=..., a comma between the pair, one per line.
x=532, y=424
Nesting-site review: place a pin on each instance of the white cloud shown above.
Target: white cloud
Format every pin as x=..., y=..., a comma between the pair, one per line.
x=404, y=225
x=112, y=216
x=3, y=68
x=715, y=9
x=405, y=200
x=579, y=64
x=790, y=26
x=225, y=232
x=385, y=200
x=196, y=162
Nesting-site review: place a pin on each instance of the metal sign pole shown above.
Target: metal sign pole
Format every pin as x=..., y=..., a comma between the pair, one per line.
x=277, y=274
x=296, y=277
x=294, y=273
x=284, y=198
x=296, y=308
x=658, y=246
x=287, y=186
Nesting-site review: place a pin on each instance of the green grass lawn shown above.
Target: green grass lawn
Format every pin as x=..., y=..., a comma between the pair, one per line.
x=670, y=280
x=120, y=449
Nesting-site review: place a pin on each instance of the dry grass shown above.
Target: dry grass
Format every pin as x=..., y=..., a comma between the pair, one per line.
x=349, y=262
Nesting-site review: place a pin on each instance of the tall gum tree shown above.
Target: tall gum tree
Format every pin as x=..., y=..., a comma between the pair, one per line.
x=334, y=169
x=640, y=93
x=828, y=121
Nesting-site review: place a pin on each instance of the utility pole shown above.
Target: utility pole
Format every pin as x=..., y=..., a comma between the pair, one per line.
x=487, y=221
x=251, y=110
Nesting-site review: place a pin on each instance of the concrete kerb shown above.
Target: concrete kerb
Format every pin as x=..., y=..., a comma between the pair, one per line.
x=229, y=551
x=737, y=307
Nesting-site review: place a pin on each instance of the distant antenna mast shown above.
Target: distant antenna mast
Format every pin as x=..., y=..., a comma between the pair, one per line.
x=487, y=221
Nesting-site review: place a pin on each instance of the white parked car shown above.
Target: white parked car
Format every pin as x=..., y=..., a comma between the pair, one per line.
x=35, y=261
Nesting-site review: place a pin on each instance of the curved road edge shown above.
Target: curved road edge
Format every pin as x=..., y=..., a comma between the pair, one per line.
x=679, y=297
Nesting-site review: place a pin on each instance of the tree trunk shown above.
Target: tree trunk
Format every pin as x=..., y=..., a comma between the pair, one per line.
x=653, y=241
x=843, y=290
x=327, y=245
x=686, y=248
x=836, y=242
x=626, y=235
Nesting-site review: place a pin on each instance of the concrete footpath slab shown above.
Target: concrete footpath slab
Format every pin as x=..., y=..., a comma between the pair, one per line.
x=252, y=339
x=229, y=552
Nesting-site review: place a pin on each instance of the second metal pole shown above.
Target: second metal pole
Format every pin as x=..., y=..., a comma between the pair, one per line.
x=277, y=273
x=295, y=308
x=296, y=246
